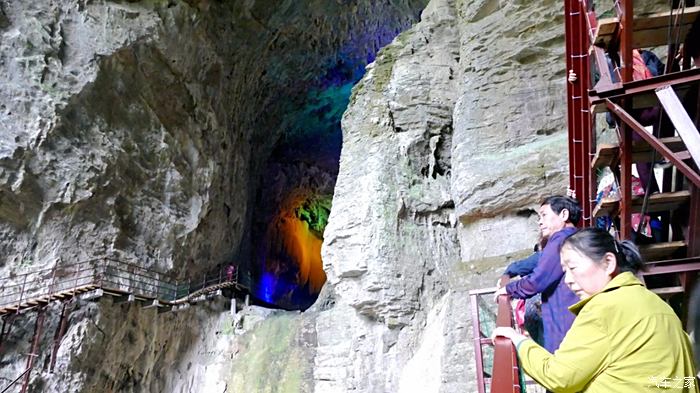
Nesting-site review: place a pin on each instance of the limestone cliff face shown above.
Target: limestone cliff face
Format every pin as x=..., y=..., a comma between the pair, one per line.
x=140, y=129
x=106, y=130
x=454, y=134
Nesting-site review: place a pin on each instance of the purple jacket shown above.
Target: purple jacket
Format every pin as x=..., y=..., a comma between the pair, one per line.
x=548, y=279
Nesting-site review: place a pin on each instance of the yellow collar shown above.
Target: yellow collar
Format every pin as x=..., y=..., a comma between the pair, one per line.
x=621, y=280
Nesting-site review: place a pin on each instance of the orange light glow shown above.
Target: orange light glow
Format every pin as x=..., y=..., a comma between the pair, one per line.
x=290, y=236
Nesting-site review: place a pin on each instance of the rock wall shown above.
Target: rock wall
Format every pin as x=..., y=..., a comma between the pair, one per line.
x=140, y=129
x=118, y=138
x=450, y=141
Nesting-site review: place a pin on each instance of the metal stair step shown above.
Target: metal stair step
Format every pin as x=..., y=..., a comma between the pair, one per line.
x=607, y=153
x=649, y=31
x=657, y=203
x=660, y=251
x=668, y=291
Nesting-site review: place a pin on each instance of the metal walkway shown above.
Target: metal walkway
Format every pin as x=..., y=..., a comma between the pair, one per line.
x=106, y=276
x=92, y=279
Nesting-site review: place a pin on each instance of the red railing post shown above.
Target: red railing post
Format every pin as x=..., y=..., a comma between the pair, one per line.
x=626, y=63
x=577, y=35
x=34, y=348
x=477, y=344
x=505, y=378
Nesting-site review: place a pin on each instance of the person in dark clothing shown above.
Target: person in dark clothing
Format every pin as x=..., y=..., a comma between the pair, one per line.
x=533, y=305
x=558, y=216
x=230, y=272
x=524, y=266
x=691, y=44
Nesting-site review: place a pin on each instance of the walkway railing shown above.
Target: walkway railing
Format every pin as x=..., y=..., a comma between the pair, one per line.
x=108, y=275
x=21, y=291
x=497, y=370
x=506, y=377
x=483, y=322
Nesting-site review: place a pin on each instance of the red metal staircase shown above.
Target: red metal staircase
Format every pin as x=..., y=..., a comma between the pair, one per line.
x=675, y=258
x=673, y=261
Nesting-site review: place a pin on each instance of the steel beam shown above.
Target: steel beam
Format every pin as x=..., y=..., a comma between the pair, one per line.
x=694, y=222
x=654, y=142
x=605, y=83
x=626, y=63
x=587, y=132
x=680, y=119
x=58, y=336
x=570, y=93
x=578, y=106
x=650, y=85
x=667, y=269
x=34, y=351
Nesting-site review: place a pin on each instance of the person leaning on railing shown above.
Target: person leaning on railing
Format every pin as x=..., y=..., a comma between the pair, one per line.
x=624, y=338
x=531, y=308
x=558, y=216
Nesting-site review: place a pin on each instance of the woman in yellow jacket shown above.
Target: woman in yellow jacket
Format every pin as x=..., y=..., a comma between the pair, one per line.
x=624, y=338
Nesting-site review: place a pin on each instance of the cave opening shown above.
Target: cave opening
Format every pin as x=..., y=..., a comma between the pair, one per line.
x=295, y=193
x=298, y=88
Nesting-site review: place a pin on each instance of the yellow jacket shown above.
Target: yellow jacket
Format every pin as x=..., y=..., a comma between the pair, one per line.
x=624, y=339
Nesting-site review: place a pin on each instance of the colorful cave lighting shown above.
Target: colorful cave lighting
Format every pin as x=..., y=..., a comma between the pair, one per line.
x=313, y=133
x=293, y=272
x=289, y=246
x=293, y=213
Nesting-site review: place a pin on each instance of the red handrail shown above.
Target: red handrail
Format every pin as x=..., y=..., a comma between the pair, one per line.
x=505, y=361
x=477, y=341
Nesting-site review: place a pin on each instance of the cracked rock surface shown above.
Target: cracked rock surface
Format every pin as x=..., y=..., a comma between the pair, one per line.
x=139, y=129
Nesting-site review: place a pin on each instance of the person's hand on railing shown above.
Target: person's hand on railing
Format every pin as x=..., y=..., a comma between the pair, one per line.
x=508, y=333
x=500, y=291
x=503, y=281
